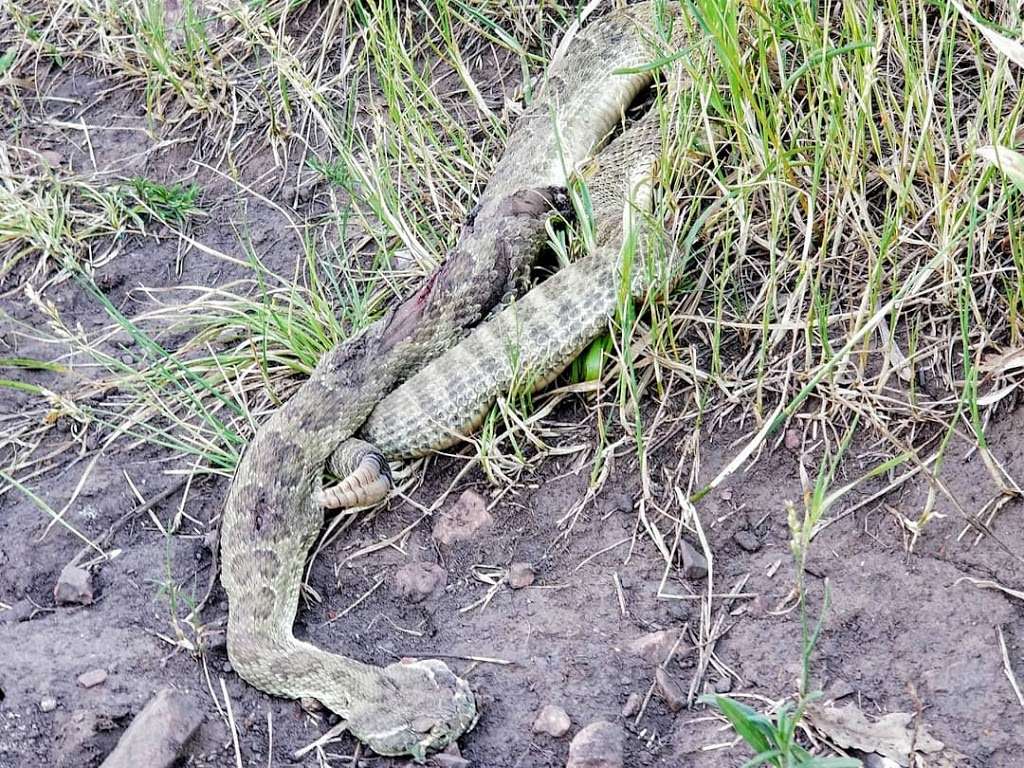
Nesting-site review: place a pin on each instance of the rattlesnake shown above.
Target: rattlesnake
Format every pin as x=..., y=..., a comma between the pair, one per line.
x=274, y=507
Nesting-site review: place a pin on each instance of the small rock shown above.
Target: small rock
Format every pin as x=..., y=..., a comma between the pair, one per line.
x=792, y=440
x=694, y=565
x=632, y=705
x=226, y=668
x=723, y=685
x=417, y=581
x=521, y=575
x=158, y=733
x=467, y=517
x=74, y=586
x=92, y=678
x=599, y=745
x=654, y=647
x=47, y=704
x=669, y=689
x=553, y=721
x=747, y=541
x=451, y=757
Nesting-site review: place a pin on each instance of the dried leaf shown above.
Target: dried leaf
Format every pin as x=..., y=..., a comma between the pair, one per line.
x=893, y=736
x=1002, y=363
x=1005, y=159
x=1011, y=49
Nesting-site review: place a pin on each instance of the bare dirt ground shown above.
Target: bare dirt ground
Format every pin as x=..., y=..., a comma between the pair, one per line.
x=910, y=629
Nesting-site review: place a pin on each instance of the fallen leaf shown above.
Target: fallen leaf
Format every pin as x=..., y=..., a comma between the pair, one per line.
x=1005, y=159
x=892, y=736
x=1011, y=49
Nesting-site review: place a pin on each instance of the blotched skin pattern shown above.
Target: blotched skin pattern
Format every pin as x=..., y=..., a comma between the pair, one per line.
x=273, y=511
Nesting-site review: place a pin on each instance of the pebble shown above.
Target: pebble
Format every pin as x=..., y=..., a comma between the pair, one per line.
x=521, y=575
x=226, y=668
x=451, y=757
x=158, y=733
x=747, y=541
x=669, y=689
x=467, y=517
x=653, y=647
x=599, y=745
x=553, y=721
x=792, y=439
x=632, y=705
x=694, y=565
x=92, y=678
x=415, y=582
x=74, y=586
x=47, y=704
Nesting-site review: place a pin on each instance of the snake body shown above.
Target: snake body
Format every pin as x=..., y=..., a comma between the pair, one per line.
x=273, y=512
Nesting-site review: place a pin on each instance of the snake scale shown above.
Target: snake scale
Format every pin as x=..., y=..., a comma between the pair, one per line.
x=274, y=510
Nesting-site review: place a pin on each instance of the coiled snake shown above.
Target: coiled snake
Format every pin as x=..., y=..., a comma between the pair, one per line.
x=274, y=509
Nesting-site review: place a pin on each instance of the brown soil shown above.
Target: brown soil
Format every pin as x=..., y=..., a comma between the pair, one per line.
x=905, y=632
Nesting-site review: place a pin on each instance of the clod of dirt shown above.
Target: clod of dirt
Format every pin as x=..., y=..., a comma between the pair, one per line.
x=47, y=704
x=92, y=678
x=792, y=440
x=552, y=720
x=622, y=502
x=599, y=745
x=747, y=541
x=415, y=582
x=74, y=586
x=632, y=705
x=521, y=575
x=654, y=647
x=669, y=690
x=723, y=685
x=158, y=734
x=467, y=517
x=694, y=565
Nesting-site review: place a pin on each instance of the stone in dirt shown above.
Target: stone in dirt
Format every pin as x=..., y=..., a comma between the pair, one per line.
x=669, y=689
x=747, y=541
x=552, y=720
x=74, y=586
x=466, y=518
x=693, y=563
x=158, y=734
x=92, y=678
x=521, y=575
x=654, y=647
x=415, y=582
x=47, y=704
x=599, y=745
x=792, y=439
x=451, y=757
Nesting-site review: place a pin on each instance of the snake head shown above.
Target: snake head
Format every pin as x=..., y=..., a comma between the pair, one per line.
x=420, y=706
